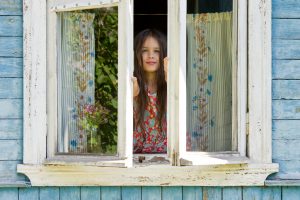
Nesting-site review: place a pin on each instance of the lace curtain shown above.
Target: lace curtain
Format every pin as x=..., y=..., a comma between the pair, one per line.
x=209, y=82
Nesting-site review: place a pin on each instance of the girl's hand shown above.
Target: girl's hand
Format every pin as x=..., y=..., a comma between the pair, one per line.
x=136, y=88
x=166, y=64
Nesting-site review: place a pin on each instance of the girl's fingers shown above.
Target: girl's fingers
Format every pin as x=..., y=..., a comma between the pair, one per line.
x=133, y=79
x=166, y=63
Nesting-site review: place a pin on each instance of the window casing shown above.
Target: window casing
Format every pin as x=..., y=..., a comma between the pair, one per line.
x=36, y=58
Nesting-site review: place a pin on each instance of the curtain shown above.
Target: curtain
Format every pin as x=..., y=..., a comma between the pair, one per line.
x=77, y=72
x=209, y=82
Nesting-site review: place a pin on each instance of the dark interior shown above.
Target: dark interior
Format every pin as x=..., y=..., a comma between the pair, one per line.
x=208, y=6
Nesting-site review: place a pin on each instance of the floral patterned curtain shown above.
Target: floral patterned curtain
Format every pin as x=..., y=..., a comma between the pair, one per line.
x=76, y=81
x=209, y=82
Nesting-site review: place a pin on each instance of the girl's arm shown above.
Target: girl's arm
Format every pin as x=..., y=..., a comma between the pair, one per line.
x=166, y=64
x=136, y=88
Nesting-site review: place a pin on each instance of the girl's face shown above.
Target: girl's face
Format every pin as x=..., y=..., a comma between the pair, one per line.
x=150, y=55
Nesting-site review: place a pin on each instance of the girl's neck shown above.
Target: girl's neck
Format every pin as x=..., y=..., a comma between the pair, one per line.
x=151, y=82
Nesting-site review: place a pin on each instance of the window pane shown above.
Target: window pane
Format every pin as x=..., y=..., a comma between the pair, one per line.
x=88, y=82
x=209, y=75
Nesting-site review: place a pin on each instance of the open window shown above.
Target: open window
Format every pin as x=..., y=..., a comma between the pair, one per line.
x=234, y=147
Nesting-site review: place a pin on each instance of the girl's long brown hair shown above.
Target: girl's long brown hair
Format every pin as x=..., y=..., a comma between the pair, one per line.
x=142, y=98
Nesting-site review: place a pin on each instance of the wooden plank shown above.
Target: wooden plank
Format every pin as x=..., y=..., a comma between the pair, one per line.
x=11, y=67
x=49, y=193
x=286, y=29
x=11, y=7
x=273, y=193
x=11, y=129
x=192, y=193
x=286, y=109
x=252, y=193
x=89, y=193
x=286, y=69
x=9, y=194
x=287, y=167
x=11, y=46
x=232, y=193
x=284, y=89
x=11, y=26
x=285, y=9
x=69, y=193
x=31, y=193
x=286, y=149
x=11, y=88
x=290, y=193
x=131, y=193
x=113, y=193
x=11, y=108
x=286, y=49
x=11, y=149
x=212, y=193
x=174, y=193
x=8, y=171
x=286, y=129
x=151, y=193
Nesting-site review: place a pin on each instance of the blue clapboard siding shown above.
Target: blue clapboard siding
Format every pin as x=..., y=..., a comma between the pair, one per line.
x=8, y=171
x=286, y=109
x=286, y=49
x=9, y=194
x=11, y=26
x=286, y=28
x=11, y=88
x=11, y=150
x=11, y=46
x=286, y=69
x=286, y=130
x=151, y=193
x=283, y=89
x=11, y=129
x=11, y=7
x=11, y=108
x=285, y=9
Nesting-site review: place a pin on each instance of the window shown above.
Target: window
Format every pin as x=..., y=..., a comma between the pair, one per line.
x=44, y=167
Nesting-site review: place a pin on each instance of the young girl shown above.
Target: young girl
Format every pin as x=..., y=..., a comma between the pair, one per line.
x=150, y=92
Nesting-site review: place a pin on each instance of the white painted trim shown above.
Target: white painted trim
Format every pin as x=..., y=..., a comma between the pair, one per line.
x=260, y=76
x=213, y=175
x=71, y=5
x=34, y=89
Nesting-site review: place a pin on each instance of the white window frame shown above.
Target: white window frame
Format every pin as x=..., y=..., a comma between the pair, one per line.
x=226, y=173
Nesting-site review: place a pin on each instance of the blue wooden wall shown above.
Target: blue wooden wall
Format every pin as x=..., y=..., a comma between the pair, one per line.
x=286, y=119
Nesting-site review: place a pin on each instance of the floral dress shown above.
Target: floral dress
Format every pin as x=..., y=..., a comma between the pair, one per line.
x=154, y=138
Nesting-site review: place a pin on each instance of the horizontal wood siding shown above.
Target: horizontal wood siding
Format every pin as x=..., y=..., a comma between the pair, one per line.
x=11, y=98
x=157, y=193
x=286, y=89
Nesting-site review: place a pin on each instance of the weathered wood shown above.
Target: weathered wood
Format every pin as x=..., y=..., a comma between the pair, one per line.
x=88, y=193
x=113, y=193
x=11, y=46
x=11, y=7
x=9, y=194
x=290, y=193
x=11, y=129
x=31, y=193
x=285, y=89
x=286, y=28
x=286, y=9
x=171, y=193
x=8, y=171
x=286, y=69
x=286, y=149
x=11, y=26
x=69, y=193
x=286, y=129
x=155, y=175
x=273, y=193
x=11, y=67
x=151, y=193
x=286, y=109
x=131, y=193
x=49, y=193
x=232, y=193
x=11, y=149
x=212, y=193
x=286, y=49
x=252, y=193
x=288, y=167
x=282, y=182
x=192, y=193
x=11, y=88
x=11, y=108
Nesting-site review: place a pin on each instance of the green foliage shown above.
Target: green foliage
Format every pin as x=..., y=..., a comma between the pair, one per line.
x=106, y=79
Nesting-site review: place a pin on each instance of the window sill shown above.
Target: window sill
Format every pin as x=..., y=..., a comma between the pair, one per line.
x=251, y=174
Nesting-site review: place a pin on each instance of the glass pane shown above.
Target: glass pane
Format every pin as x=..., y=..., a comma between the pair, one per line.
x=209, y=75
x=88, y=82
